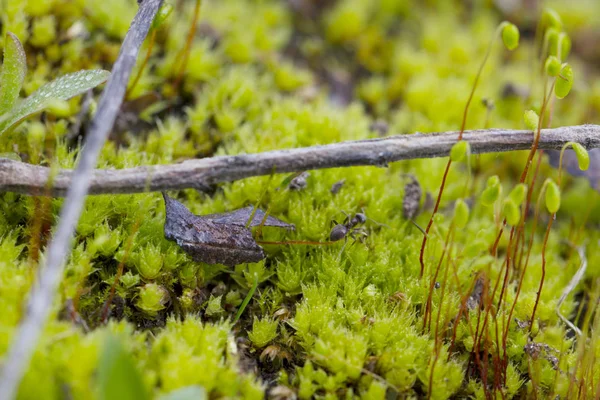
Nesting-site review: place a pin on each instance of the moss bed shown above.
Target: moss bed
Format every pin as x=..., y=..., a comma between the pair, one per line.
x=353, y=319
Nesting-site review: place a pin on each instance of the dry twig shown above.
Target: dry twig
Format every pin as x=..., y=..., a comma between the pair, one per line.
x=42, y=295
x=570, y=287
x=29, y=179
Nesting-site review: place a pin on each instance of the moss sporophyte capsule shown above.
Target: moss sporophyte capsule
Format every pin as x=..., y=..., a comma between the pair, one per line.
x=517, y=195
x=583, y=158
x=511, y=212
x=510, y=36
x=552, y=196
x=552, y=66
x=461, y=214
x=564, y=82
x=531, y=120
x=460, y=150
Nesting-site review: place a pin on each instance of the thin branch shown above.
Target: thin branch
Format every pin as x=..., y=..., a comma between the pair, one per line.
x=570, y=287
x=42, y=296
x=29, y=179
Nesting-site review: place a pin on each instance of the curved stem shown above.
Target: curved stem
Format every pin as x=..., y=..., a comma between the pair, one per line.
x=560, y=161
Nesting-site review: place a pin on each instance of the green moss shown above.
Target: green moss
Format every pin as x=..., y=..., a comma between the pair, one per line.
x=44, y=31
x=341, y=320
x=263, y=332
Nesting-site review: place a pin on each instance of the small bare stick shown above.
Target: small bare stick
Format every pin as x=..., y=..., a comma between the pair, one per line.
x=570, y=287
x=20, y=177
x=185, y=53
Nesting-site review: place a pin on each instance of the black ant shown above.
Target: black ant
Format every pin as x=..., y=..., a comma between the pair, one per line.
x=341, y=231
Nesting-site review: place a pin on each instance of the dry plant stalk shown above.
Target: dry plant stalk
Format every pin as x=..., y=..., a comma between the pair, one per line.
x=30, y=179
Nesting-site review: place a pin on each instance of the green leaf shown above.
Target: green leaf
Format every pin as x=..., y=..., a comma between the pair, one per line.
x=14, y=69
x=118, y=377
x=163, y=13
x=194, y=392
x=62, y=88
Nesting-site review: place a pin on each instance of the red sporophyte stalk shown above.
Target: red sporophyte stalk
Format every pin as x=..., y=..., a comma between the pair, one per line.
x=185, y=54
x=428, y=304
x=460, y=136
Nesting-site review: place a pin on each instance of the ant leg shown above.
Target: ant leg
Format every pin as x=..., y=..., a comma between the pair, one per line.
x=358, y=234
x=379, y=223
x=348, y=217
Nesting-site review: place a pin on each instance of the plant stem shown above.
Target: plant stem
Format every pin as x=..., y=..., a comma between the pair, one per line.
x=185, y=53
x=430, y=223
x=246, y=300
x=537, y=298
x=428, y=304
x=20, y=177
x=460, y=137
